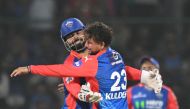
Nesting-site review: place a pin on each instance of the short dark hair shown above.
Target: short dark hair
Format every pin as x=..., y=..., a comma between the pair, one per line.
x=99, y=32
x=149, y=59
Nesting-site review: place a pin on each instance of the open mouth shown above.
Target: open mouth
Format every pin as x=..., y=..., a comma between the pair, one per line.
x=77, y=42
x=78, y=45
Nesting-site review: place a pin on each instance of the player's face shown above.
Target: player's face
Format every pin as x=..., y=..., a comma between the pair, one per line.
x=74, y=37
x=75, y=41
x=148, y=66
x=93, y=47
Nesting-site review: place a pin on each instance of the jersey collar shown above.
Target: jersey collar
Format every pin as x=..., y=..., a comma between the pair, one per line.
x=101, y=52
x=75, y=54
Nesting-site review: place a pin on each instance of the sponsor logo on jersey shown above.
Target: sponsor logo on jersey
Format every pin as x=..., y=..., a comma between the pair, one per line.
x=148, y=104
x=154, y=104
x=116, y=62
x=140, y=104
x=139, y=95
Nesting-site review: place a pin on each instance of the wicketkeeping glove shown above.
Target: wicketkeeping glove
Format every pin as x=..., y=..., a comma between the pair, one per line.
x=152, y=79
x=87, y=95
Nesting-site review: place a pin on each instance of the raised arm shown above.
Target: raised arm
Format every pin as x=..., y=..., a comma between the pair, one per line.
x=132, y=73
x=86, y=69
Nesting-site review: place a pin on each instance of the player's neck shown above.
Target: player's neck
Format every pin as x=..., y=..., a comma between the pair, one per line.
x=148, y=88
x=84, y=54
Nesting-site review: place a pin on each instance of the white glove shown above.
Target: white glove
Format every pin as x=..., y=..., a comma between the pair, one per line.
x=157, y=83
x=87, y=95
x=152, y=79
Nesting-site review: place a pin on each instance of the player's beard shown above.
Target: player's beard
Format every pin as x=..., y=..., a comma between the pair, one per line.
x=78, y=45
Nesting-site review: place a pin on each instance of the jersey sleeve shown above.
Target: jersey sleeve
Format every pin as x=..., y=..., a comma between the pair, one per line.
x=129, y=98
x=86, y=69
x=132, y=73
x=172, y=100
x=72, y=85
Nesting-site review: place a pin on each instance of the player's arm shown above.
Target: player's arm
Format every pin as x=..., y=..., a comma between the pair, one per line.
x=133, y=73
x=62, y=70
x=150, y=78
x=72, y=85
x=172, y=100
x=87, y=69
x=69, y=83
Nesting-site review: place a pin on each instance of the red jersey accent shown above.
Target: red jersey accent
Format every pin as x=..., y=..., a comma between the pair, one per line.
x=132, y=73
x=88, y=68
x=71, y=102
x=75, y=54
x=94, y=88
x=129, y=98
x=73, y=87
x=172, y=100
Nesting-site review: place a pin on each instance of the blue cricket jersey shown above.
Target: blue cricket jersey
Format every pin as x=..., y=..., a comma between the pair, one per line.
x=111, y=80
x=141, y=97
x=105, y=72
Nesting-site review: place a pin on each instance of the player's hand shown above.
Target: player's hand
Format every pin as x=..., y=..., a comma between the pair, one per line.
x=20, y=71
x=152, y=79
x=87, y=95
x=156, y=84
x=60, y=87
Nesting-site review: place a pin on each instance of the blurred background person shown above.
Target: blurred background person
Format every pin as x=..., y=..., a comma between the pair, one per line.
x=141, y=96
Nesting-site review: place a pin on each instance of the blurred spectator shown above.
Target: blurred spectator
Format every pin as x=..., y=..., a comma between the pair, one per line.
x=4, y=88
x=40, y=99
x=122, y=36
x=41, y=14
x=142, y=96
x=172, y=59
x=14, y=8
x=186, y=43
x=143, y=8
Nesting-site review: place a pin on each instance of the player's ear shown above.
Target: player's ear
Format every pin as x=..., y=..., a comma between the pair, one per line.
x=102, y=45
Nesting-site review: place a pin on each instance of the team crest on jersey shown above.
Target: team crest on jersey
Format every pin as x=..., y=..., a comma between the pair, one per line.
x=115, y=55
x=69, y=24
x=77, y=62
x=115, y=58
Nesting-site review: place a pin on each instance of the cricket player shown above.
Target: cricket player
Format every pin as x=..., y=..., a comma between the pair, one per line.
x=104, y=68
x=143, y=97
x=73, y=39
